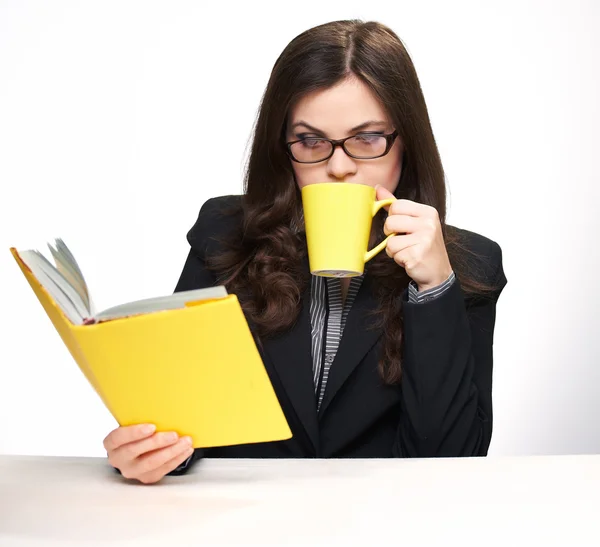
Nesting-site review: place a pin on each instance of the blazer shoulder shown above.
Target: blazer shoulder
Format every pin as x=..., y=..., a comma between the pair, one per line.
x=481, y=255
x=216, y=218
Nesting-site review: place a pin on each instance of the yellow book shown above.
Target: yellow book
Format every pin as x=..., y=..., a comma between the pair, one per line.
x=186, y=362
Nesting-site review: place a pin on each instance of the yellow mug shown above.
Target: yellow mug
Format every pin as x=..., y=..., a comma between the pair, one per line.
x=337, y=218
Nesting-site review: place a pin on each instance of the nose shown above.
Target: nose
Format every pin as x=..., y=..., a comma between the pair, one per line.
x=340, y=165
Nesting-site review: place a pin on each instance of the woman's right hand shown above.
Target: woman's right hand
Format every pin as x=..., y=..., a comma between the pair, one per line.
x=140, y=453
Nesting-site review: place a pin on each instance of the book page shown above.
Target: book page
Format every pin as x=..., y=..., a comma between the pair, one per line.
x=67, y=265
x=67, y=287
x=64, y=285
x=161, y=303
x=49, y=282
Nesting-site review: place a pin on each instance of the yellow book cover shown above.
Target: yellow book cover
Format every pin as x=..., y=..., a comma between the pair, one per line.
x=186, y=362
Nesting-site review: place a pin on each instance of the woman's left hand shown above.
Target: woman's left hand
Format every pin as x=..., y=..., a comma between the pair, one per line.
x=420, y=248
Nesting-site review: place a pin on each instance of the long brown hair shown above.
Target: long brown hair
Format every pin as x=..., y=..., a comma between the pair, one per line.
x=263, y=262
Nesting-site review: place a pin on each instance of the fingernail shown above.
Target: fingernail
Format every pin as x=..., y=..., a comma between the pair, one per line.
x=148, y=428
x=187, y=440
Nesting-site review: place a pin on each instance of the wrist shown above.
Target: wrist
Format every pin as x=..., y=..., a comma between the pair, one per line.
x=434, y=283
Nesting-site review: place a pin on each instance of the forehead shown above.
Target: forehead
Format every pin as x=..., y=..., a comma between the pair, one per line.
x=339, y=108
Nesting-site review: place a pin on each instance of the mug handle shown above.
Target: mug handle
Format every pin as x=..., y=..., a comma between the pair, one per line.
x=376, y=206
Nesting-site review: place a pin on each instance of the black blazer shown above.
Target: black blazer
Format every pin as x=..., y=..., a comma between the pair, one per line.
x=443, y=406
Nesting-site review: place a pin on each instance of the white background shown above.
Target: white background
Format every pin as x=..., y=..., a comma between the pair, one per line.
x=119, y=119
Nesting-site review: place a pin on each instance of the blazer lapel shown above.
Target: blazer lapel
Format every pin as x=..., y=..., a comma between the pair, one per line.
x=291, y=356
x=358, y=338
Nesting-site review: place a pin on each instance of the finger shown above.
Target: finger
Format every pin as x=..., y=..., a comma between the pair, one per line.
x=127, y=434
x=167, y=467
x=401, y=224
x=412, y=208
x=149, y=463
x=398, y=244
x=130, y=451
x=383, y=193
x=404, y=258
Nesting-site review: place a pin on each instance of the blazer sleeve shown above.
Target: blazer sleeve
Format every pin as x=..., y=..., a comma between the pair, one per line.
x=447, y=373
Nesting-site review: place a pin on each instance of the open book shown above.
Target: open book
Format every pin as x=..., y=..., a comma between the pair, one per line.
x=186, y=362
x=66, y=285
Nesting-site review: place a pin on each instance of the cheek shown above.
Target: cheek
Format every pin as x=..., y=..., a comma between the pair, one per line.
x=387, y=175
x=308, y=174
x=395, y=177
x=300, y=178
x=394, y=171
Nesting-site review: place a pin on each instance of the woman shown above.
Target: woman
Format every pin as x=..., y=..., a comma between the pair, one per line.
x=412, y=374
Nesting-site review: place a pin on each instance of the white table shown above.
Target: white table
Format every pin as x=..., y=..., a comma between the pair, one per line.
x=493, y=501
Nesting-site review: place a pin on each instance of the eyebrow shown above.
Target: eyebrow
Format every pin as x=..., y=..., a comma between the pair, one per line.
x=363, y=125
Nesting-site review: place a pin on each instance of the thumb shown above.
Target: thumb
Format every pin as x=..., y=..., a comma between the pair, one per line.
x=383, y=193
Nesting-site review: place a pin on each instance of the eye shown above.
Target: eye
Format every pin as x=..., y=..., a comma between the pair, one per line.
x=313, y=142
x=368, y=138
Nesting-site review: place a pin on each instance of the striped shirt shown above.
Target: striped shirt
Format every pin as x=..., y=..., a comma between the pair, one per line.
x=328, y=313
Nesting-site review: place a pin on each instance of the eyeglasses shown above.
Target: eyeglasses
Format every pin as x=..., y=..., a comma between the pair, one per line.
x=365, y=146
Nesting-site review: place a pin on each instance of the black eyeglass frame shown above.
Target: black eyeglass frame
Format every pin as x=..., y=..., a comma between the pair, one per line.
x=390, y=137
